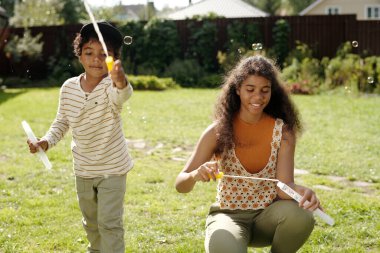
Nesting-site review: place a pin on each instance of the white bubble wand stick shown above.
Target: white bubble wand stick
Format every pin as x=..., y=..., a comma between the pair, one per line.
x=109, y=59
x=41, y=154
x=289, y=191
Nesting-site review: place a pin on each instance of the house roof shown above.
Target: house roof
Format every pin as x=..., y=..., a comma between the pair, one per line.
x=310, y=7
x=225, y=8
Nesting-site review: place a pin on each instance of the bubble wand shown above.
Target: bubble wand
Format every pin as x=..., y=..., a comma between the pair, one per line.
x=289, y=191
x=41, y=154
x=221, y=174
x=109, y=59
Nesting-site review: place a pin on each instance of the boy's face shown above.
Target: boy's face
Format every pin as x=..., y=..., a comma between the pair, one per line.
x=93, y=59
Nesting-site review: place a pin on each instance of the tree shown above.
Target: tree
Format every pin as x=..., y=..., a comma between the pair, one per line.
x=37, y=13
x=26, y=47
x=8, y=6
x=270, y=6
x=273, y=7
x=298, y=5
x=73, y=11
x=47, y=12
x=280, y=33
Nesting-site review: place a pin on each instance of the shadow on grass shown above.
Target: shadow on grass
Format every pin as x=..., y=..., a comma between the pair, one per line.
x=6, y=95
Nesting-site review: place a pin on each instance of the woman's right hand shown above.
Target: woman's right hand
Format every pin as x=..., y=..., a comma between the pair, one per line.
x=33, y=148
x=205, y=172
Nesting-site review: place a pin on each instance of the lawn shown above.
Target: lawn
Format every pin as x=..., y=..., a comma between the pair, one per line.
x=338, y=156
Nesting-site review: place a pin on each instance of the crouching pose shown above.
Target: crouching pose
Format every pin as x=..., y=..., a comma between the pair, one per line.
x=253, y=135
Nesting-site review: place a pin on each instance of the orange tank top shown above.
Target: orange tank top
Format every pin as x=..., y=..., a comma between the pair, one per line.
x=253, y=142
x=248, y=194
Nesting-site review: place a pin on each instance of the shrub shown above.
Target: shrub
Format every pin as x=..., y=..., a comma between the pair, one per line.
x=300, y=52
x=151, y=83
x=15, y=82
x=185, y=72
x=368, y=77
x=161, y=45
x=343, y=72
x=291, y=72
x=243, y=35
x=300, y=78
x=211, y=81
x=62, y=69
x=352, y=71
x=202, y=44
x=155, y=45
x=299, y=88
x=147, y=69
x=302, y=73
x=132, y=55
x=27, y=46
x=344, y=49
x=376, y=83
x=228, y=60
x=280, y=48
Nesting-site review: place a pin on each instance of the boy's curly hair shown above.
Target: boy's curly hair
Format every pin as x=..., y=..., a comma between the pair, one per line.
x=80, y=40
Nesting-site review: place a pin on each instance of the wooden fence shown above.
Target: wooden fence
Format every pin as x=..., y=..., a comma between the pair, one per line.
x=324, y=34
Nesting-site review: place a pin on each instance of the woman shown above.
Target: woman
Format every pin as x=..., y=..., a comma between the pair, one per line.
x=253, y=135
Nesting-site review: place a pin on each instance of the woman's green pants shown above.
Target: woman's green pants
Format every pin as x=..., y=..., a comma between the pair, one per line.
x=283, y=225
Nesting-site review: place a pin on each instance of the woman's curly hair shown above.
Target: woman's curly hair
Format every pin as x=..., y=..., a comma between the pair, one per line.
x=228, y=103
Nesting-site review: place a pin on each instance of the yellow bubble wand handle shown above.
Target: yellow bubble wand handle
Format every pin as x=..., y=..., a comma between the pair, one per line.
x=109, y=62
x=219, y=175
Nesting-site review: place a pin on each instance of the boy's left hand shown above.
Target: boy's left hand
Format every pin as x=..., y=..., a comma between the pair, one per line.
x=118, y=76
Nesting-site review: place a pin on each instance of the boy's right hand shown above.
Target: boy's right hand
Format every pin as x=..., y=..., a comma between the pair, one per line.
x=34, y=147
x=118, y=75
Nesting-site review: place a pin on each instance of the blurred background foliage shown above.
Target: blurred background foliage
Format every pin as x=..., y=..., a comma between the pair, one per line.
x=157, y=50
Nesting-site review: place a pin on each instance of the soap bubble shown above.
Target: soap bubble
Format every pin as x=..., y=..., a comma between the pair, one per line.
x=257, y=46
x=370, y=79
x=128, y=40
x=129, y=109
x=355, y=43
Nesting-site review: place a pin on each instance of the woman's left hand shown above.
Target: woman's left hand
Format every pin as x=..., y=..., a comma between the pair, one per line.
x=310, y=196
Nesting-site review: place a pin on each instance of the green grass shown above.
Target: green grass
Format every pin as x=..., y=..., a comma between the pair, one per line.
x=39, y=210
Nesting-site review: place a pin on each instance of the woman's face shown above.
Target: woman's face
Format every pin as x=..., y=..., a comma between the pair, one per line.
x=255, y=93
x=93, y=59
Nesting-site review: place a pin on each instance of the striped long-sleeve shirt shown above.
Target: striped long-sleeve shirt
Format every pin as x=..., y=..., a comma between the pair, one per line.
x=98, y=146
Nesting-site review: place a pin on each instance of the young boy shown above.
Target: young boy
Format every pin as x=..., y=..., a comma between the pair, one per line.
x=91, y=104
